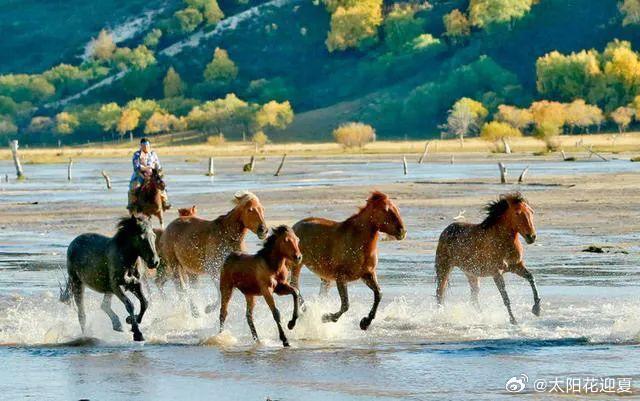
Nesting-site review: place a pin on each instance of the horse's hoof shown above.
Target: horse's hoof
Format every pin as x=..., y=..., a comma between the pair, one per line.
x=138, y=337
x=128, y=320
x=285, y=343
x=208, y=309
x=513, y=321
x=536, y=309
x=364, y=323
x=292, y=324
x=117, y=328
x=329, y=318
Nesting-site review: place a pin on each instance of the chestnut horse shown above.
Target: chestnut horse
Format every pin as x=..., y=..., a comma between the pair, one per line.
x=191, y=246
x=489, y=249
x=149, y=197
x=347, y=251
x=262, y=274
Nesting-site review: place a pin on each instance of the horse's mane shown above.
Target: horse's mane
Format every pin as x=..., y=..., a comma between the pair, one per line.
x=270, y=242
x=496, y=209
x=241, y=197
x=128, y=226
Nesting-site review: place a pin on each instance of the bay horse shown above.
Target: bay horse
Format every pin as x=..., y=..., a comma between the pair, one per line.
x=489, y=249
x=347, y=251
x=191, y=246
x=108, y=265
x=148, y=196
x=263, y=273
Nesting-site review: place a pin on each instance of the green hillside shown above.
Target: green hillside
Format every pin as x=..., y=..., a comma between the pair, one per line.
x=299, y=68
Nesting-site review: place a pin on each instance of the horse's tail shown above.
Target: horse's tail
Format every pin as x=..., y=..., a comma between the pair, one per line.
x=65, y=294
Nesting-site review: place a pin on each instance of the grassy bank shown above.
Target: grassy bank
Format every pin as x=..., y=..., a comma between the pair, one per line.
x=606, y=143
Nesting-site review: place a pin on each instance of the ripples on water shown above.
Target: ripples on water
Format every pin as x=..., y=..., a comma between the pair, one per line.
x=414, y=350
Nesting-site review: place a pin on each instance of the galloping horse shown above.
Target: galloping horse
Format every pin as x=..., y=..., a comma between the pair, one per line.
x=347, y=251
x=191, y=246
x=105, y=264
x=149, y=196
x=489, y=248
x=262, y=274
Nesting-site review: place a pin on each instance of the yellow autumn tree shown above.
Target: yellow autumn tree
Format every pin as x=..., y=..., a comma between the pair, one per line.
x=129, y=120
x=353, y=24
x=456, y=24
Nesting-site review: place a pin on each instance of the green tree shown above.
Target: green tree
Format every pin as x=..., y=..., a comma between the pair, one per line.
x=566, y=77
x=354, y=26
x=456, y=25
x=103, y=46
x=139, y=58
x=146, y=107
x=209, y=8
x=7, y=127
x=40, y=125
x=631, y=11
x=152, y=38
x=188, y=19
x=172, y=84
x=486, y=12
x=108, y=116
x=221, y=68
x=67, y=78
x=66, y=123
x=26, y=88
x=401, y=26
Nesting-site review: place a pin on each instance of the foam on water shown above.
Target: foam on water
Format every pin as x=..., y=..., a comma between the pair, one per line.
x=41, y=320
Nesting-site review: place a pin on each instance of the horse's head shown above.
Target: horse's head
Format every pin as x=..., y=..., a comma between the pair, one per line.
x=286, y=243
x=157, y=179
x=141, y=236
x=519, y=215
x=385, y=215
x=188, y=212
x=251, y=213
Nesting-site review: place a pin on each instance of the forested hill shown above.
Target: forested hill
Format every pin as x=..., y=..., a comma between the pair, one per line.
x=296, y=69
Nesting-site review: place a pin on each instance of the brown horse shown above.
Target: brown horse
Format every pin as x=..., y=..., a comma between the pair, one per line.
x=188, y=211
x=489, y=248
x=148, y=196
x=191, y=246
x=347, y=251
x=262, y=274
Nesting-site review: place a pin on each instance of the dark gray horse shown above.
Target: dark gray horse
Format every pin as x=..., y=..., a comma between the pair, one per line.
x=108, y=266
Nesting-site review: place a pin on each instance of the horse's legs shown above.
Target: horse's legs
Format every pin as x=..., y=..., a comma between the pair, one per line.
x=325, y=285
x=216, y=302
x=106, y=307
x=251, y=302
x=295, y=277
x=182, y=290
x=78, y=296
x=523, y=272
x=268, y=297
x=117, y=291
x=284, y=289
x=372, y=282
x=344, y=303
x=160, y=216
x=475, y=289
x=443, y=269
x=137, y=291
x=499, y=280
x=226, y=292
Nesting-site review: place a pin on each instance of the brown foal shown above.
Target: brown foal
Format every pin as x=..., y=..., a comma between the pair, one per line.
x=262, y=274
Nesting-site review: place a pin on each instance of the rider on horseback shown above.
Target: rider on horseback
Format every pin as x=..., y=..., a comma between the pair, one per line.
x=144, y=161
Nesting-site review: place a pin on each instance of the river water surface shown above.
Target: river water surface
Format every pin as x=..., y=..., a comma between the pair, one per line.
x=413, y=351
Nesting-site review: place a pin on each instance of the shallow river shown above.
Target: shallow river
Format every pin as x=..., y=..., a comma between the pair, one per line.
x=589, y=328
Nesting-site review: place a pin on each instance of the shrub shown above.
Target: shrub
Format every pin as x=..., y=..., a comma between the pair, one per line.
x=216, y=140
x=354, y=134
x=496, y=130
x=260, y=139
